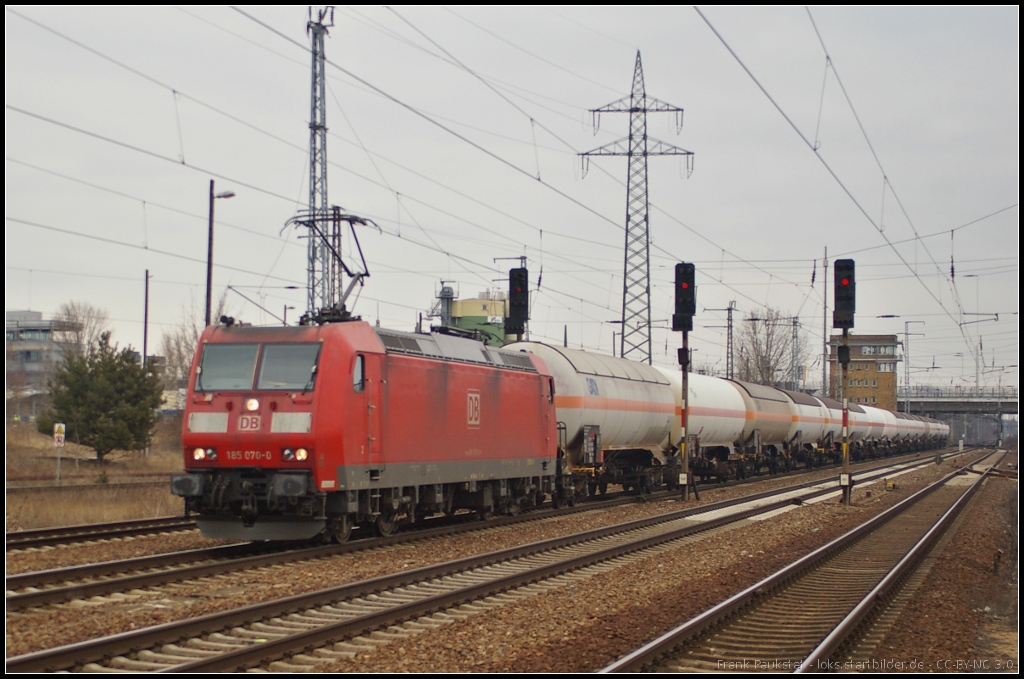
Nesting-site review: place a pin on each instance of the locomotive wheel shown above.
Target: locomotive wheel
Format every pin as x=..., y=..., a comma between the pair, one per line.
x=384, y=525
x=602, y=487
x=339, y=529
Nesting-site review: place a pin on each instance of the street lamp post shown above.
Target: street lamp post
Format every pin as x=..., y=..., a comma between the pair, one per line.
x=209, y=250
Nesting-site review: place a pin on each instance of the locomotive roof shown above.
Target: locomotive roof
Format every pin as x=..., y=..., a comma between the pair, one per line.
x=264, y=333
x=435, y=345
x=451, y=348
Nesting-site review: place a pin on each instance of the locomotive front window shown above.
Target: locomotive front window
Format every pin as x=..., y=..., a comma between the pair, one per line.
x=288, y=366
x=227, y=367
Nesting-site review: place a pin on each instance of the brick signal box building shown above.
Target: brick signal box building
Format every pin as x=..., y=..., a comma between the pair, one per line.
x=871, y=376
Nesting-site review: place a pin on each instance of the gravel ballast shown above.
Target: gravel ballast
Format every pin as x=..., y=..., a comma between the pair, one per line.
x=580, y=627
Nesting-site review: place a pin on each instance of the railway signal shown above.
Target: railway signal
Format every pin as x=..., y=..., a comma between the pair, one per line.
x=842, y=317
x=845, y=294
x=686, y=297
x=518, y=301
x=682, y=321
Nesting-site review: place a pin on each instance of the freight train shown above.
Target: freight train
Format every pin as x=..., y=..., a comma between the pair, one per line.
x=292, y=433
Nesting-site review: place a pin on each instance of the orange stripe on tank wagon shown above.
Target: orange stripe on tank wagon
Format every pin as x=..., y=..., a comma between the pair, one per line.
x=599, y=403
x=697, y=411
x=755, y=415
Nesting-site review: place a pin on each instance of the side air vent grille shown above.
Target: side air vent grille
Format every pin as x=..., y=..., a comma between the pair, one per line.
x=517, y=360
x=401, y=344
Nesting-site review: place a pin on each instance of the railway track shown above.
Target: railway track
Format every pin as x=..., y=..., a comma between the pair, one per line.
x=800, y=618
x=72, y=488
x=278, y=630
x=48, y=537
x=28, y=590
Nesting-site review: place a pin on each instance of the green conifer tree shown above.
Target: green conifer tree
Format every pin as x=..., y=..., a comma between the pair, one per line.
x=106, y=398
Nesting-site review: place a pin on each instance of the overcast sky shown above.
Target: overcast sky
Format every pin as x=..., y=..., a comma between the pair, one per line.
x=457, y=132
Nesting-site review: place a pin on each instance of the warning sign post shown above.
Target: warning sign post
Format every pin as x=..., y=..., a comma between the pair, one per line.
x=58, y=442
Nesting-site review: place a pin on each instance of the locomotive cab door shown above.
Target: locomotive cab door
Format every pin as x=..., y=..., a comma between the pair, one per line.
x=373, y=381
x=367, y=386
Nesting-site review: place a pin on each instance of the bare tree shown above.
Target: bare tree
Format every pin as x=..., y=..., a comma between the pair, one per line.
x=772, y=350
x=78, y=326
x=708, y=368
x=180, y=344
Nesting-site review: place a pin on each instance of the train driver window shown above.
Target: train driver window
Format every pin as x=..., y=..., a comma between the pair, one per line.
x=358, y=378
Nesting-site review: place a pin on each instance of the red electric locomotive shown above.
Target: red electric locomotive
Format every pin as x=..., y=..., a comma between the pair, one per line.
x=294, y=432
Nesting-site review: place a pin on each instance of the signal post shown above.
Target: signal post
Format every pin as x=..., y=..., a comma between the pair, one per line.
x=842, y=317
x=682, y=321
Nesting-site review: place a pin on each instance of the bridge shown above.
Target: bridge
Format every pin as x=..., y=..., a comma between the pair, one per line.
x=939, y=401
x=974, y=415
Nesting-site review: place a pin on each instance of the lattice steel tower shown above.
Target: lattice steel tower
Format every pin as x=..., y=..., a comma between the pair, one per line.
x=322, y=277
x=636, y=284
x=325, y=300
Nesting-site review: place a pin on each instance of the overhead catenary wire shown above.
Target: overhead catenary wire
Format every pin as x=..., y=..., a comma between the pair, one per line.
x=237, y=119
x=442, y=230
x=833, y=173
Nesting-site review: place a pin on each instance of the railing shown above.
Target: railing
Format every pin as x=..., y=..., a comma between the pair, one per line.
x=988, y=393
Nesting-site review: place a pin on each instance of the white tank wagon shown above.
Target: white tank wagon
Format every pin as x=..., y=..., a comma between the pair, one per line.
x=717, y=411
x=620, y=422
x=891, y=430
x=811, y=431
x=615, y=419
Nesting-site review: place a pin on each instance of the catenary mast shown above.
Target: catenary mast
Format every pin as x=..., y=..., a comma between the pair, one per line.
x=325, y=299
x=321, y=273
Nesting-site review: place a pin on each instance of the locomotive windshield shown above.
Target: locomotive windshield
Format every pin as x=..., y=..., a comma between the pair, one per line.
x=233, y=367
x=227, y=367
x=288, y=366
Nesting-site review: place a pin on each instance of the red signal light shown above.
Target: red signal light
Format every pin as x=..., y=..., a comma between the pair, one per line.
x=845, y=294
x=686, y=297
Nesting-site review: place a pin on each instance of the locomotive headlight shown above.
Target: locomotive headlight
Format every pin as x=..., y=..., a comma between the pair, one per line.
x=294, y=455
x=204, y=454
x=252, y=404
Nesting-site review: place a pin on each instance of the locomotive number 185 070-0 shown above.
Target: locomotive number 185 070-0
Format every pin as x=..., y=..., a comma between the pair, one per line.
x=249, y=455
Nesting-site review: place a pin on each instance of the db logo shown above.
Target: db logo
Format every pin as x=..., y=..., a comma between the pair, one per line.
x=248, y=423
x=473, y=409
